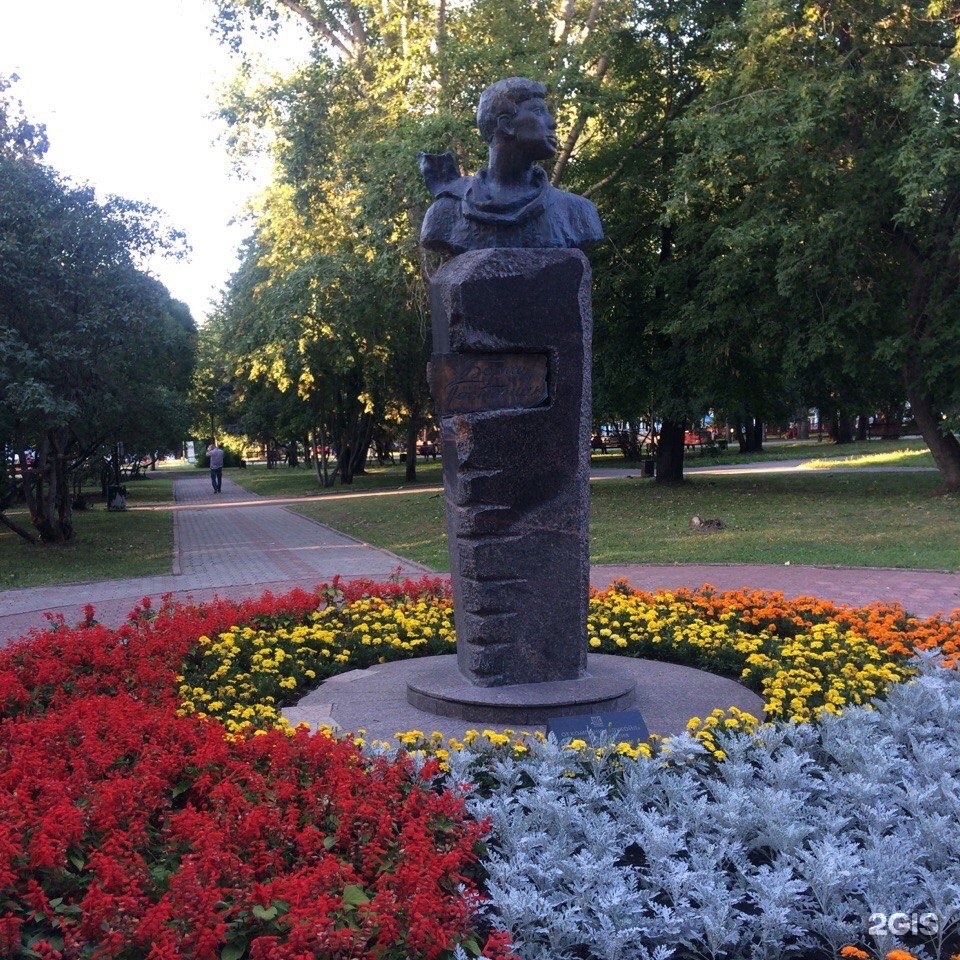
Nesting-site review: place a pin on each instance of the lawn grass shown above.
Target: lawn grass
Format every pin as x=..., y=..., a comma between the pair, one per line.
x=870, y=519
x=410, y=524
x=106, y=546
x=849, y=519
x=775, y=451
x=299, y=481
x=149, y=490
x=899, y=457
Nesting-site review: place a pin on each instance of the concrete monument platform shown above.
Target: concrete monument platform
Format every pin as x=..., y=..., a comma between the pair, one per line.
x=375, y=699
x=442, y=689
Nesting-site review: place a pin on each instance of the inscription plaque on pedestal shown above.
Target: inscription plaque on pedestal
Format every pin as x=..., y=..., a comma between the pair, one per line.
x=625, y=726
x=473, y=382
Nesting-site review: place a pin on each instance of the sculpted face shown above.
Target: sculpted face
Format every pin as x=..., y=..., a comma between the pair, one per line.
x=534, y=130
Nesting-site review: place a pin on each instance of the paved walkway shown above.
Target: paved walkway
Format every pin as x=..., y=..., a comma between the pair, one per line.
x=922, y=592
x=237, y=544
x=233, y=544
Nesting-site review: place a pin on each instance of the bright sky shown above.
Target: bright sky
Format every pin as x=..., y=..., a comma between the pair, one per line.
x=127, y=90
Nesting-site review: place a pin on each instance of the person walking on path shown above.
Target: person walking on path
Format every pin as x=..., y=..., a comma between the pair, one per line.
x=215, y=454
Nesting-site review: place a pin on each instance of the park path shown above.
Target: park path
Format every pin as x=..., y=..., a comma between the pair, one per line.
x=237, y=544
x=234, y=544
x=921, y=592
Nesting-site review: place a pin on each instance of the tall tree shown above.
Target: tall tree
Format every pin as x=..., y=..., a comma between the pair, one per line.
x=643, y=75
x=825, y=161
x=90, y=347
x=337, y=235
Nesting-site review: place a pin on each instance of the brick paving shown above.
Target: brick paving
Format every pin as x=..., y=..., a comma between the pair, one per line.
x=234, y=544
x=237, y=544
x=922, y=592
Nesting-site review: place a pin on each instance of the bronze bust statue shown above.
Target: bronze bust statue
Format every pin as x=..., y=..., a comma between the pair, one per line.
x=510, y=203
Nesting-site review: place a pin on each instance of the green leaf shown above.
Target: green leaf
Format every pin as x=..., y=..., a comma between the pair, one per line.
x=265, y=913
x=471, y=946
x=233, y=951
x=353, y=896
x=328, y=843
x=77, y=860
x=182, y=787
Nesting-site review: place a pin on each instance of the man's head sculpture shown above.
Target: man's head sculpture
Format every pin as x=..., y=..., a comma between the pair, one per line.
x=501, y=102
x=510, y=203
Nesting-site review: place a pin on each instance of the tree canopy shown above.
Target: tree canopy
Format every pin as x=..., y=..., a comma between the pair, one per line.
x=778, y=184
x=819, y=196
x=93, y=351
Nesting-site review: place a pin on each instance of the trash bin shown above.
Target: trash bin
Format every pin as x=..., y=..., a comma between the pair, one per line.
x=116, y=497
x=649, y=468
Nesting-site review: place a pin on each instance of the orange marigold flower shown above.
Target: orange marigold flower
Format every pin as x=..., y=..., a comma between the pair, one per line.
x=899, y=955
x=854, y=953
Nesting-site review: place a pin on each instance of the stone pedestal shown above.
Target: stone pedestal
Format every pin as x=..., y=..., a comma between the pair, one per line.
x=510, y=377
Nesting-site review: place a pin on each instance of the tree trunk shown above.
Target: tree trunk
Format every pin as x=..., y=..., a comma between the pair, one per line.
x=413, y=428
x=863, y=422
x=841, y=428
x=749, y=432
x=670, y=452
x=345, y=464
x=943, y=445
x=51, y=509
x=321, y=462
x=17, y=529
x=361, y=448
x=628, y=441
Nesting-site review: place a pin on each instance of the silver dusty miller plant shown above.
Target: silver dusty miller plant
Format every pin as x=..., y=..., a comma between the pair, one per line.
x=807, y=838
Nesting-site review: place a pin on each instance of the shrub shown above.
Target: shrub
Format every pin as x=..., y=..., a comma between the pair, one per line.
x=784, y=850
x=230, y=459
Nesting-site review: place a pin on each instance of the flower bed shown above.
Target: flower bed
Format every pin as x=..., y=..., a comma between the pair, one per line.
x=803, y=657
x=154, y=804
x=127, y=831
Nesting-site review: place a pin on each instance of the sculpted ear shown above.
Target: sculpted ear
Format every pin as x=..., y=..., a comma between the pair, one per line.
x=505, y=124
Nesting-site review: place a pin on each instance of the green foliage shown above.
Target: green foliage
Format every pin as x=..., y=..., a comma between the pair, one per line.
x=819, y=195
x=330, y=303
x=778, y=185
x=93, y=351
x=230, y=459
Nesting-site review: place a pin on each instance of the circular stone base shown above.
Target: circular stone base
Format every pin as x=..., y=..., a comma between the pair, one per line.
x=443, y=691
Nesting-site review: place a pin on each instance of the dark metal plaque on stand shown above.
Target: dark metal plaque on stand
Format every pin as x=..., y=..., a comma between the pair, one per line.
x=620, y=726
